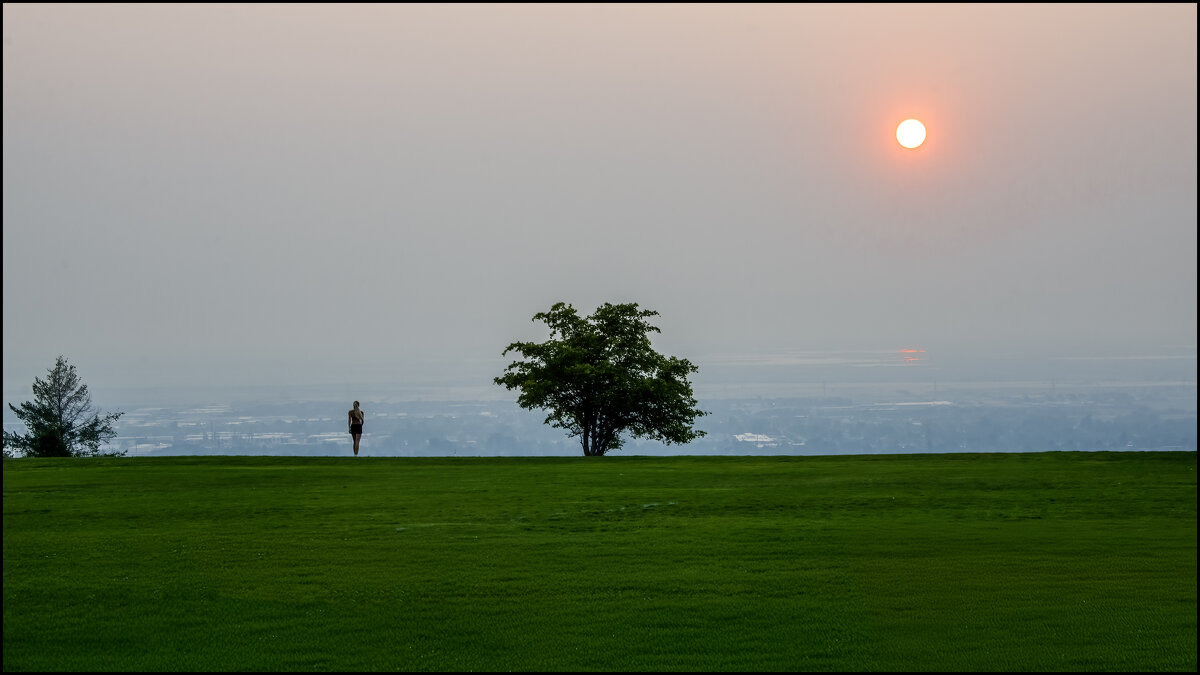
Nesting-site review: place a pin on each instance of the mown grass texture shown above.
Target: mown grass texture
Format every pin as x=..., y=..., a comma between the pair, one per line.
x=1046, y=561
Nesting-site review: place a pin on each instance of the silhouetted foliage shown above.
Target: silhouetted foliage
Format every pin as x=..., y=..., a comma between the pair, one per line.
x=57, y=420
x=599, y=377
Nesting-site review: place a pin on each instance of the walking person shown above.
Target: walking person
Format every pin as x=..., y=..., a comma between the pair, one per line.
x=356, y=423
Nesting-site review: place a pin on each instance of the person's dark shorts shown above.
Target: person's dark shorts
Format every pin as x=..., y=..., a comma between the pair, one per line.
x=355, y=429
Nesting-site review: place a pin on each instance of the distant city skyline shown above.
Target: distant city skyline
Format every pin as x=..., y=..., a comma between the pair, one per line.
x=841, y=418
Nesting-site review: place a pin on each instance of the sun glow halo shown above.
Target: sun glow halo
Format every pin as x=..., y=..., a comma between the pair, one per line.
x=910, y=133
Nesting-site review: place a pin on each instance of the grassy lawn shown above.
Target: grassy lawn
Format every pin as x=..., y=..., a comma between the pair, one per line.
x=1054, y=561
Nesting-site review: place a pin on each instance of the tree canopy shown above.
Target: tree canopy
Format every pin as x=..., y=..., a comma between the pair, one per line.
x=599, y=377
x=57, y=420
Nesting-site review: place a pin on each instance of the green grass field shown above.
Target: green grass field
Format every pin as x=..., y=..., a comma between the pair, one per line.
x=1055, y=561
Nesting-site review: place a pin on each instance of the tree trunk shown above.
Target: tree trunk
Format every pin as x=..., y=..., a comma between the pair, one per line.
x=590, y=436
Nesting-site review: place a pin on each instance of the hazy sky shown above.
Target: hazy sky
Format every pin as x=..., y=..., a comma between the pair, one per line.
x=208, y=194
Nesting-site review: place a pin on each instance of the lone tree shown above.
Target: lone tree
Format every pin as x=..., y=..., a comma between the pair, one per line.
x=58, y=419
x=599, y=377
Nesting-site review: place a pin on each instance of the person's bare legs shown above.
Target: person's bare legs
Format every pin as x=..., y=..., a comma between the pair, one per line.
x=356, y=437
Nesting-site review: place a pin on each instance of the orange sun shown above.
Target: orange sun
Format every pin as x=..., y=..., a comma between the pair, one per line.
x=910, y=133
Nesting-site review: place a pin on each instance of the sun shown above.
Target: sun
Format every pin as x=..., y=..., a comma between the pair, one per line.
x=910, y=133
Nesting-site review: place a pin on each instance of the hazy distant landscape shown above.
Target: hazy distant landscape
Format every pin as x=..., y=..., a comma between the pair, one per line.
x=798, y=404
x=981, y=420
